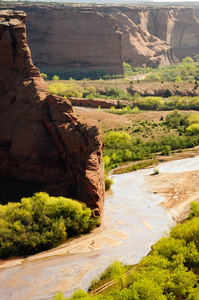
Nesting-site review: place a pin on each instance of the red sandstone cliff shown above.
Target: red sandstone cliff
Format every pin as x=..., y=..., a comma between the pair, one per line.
x=60, y=39
x=140, y=48
x=102, y=36
x=81, y=37
x=40, y=138
x=178, y=27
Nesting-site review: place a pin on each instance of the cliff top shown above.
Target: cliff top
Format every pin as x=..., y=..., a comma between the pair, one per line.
x=12, y=17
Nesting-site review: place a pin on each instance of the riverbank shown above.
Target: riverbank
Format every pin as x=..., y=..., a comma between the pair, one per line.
x=133, y=222
x=178, y=186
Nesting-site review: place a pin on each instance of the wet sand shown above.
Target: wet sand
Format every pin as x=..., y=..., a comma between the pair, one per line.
x=133, y=222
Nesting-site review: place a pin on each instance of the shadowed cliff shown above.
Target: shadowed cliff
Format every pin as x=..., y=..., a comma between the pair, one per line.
x=41, y=141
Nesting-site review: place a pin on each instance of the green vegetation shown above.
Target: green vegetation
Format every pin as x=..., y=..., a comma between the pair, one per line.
x=156, y=171
x=135, y=166
x=108, y=183
x=187, y=60
x=41, y=222
x=130, y=71
x=45, y=77
x=113, y=92
x=124, y=110
x=66, y=90
x=55, y=77
x=159, y=103
x=143, y=140
x=77, y=74
x=170, y=271
x=185, y=71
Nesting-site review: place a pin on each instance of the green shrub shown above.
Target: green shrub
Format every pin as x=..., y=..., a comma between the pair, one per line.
x=117, y=137
x=66, y=89
x=7, y=19
x=117, y=93
x=55, y=77
x=156, y=171
x=108, y=183
x=89, y=92
x=149, y=103
x=45, y=77
x=176, y=119
x=41, y=222
x=193, y=129
x=193, y=119
x=187, y=60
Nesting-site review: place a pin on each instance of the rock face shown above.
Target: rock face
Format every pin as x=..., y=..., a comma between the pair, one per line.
x=178, y=27
x=93, y=37
x=140, y=48
x=61, y=39
x=40, y=138
x=103, y=103
x=82, y=38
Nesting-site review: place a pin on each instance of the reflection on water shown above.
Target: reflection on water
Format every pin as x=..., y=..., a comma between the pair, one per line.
x=133, y=221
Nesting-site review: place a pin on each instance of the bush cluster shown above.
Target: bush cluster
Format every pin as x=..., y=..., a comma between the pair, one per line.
x=77, y=74
x=120, y=147
x=66, y=89
x=185, y=71
x=40, y=223
x=171, y=103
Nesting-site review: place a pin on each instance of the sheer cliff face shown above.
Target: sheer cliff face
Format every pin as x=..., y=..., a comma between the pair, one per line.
x=178, y=27
x=61, y=39
x=139, y=47
x=101, y=38
x=40, y=138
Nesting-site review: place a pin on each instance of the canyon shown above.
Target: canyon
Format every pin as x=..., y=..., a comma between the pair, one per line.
x=41, y=140
x=102, y=37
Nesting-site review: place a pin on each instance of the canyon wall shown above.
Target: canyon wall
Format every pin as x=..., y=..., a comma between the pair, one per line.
x=61, y=39
x=140, y=48
x=97, y=37
x=102, y=37
x=178, y=27
x=90, y=38
x=40, y=138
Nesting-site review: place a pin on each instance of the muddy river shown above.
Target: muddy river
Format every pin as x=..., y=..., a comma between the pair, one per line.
x=133, y=222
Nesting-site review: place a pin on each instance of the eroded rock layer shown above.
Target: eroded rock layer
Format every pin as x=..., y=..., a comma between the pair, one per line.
x=178, y=27
x=140, y=47
x=60, y=38
x=40, y=138
x=93, y=37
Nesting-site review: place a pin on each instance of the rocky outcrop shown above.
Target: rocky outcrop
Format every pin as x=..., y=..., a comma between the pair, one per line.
x=102, y=103
x=164, y=89
x=40, y=138
x=178, y=27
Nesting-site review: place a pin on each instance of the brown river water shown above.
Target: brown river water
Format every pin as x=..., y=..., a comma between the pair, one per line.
x=133, y=222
